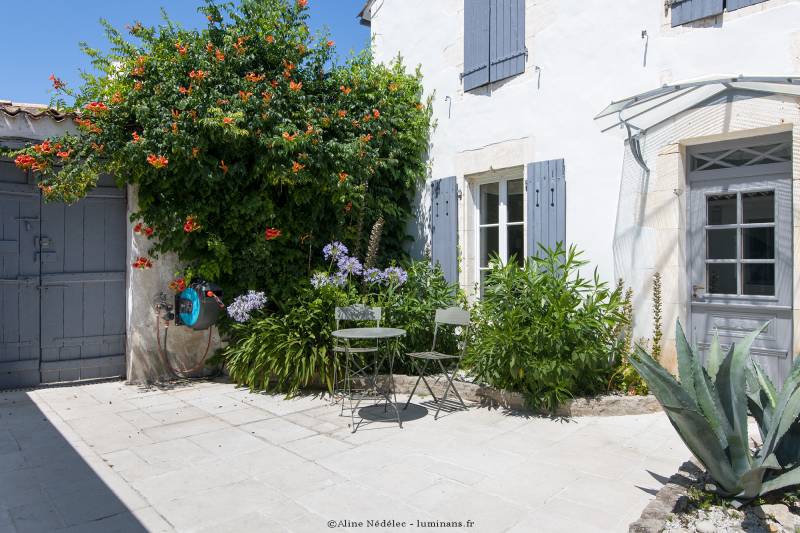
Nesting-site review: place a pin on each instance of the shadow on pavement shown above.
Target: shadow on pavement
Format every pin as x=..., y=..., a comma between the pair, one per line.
x=45, y=484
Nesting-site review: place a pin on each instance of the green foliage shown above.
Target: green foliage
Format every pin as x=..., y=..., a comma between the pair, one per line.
x=709, y=408
x=414, y=307
x=545, y=330
x=291, y=349
x=248, y=124
x=625, y=378
x=286, y=351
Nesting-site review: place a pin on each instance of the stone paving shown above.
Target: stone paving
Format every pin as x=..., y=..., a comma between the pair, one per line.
x=208, y=457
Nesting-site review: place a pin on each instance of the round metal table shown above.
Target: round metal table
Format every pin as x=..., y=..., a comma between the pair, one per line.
x=371, y=378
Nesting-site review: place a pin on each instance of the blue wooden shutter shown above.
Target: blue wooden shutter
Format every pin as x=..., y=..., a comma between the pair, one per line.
x=733, y=5
x=547, y=203
x=684, y=11
x=476, y=43
x=444, y=226
x=507, y=36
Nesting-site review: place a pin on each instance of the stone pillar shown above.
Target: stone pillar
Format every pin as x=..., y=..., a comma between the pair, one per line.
x=185, y=347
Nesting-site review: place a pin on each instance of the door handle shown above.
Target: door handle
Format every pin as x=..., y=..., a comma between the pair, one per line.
x=696, y=288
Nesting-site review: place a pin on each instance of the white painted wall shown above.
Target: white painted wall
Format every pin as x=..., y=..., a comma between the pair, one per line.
x=589, y=52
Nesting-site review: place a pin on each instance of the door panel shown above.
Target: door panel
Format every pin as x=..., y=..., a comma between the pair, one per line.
x=19, y=277
x=83, y=288
x=740, y=263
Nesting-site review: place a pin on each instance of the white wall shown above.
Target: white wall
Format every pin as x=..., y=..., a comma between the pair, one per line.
x=590, y=52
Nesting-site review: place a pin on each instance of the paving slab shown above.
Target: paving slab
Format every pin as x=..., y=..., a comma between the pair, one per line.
x=210, y=457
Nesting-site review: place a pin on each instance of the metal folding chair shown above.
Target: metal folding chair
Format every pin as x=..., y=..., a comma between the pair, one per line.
x=452, y=316
x=352, y=313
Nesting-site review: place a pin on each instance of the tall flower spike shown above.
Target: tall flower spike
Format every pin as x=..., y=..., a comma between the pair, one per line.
x=374, y=243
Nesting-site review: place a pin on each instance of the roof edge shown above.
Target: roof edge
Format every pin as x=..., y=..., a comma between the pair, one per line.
x=34, y=111
x=365, y=15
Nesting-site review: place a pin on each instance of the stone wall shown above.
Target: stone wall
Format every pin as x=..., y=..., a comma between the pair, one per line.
x=185, y=347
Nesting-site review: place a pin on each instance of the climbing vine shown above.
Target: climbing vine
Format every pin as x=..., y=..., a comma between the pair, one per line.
x=250, y=144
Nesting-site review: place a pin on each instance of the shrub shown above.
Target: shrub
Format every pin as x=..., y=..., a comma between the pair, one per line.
x=545, y=330
x=709, y=406
x=251, y=145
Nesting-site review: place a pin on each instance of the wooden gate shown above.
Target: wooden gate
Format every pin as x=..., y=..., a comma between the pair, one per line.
x=62, y=284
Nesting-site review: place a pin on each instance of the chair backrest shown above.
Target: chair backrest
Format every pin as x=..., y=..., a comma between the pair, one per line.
x=358, y=313
x=452, y=316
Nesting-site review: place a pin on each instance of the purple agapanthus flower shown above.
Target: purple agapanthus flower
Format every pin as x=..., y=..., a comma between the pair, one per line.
x=319, y=280
x=339, y=279
x=373, y=275
x=335, y=251
x=350, y=266
x=395, y=276
x=243, y=305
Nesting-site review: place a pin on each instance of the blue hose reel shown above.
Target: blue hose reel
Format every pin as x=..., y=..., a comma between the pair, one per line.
x=198, y=305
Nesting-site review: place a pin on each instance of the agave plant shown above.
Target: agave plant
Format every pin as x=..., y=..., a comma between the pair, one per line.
x=709, y=409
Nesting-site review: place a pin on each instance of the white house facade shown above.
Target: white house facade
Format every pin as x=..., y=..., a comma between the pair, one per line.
x=691, y=172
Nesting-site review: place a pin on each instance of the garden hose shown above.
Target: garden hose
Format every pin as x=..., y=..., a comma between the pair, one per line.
x=181, y=373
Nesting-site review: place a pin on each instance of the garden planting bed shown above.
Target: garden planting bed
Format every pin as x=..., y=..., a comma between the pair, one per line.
x=606, y=405
x=684, y=505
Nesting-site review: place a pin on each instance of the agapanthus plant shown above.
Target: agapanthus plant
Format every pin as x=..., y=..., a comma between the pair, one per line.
x=335, y=251
x=244, y=305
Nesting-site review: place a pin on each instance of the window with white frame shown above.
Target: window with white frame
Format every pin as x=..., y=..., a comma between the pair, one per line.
x=501, y=222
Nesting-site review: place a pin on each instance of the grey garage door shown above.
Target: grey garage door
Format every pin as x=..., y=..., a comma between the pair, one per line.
x=62, y=284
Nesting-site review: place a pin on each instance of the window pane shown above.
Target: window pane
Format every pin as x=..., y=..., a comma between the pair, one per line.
x=758, y=243
x=721, y=278
x=758, y=207
x=738, y=158
x=758, y=279
x=489, y=244
x=516, y=243
x=490, y=202
x=721, y=209
x=515, y=201
x=721, y=243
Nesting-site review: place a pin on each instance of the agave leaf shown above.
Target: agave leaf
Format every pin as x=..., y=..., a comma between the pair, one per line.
x=731, y=385
x=664, y=386
x=685, y=357
x=714, y=358
x=752, y=482
x=696, y=432
x=709, y=403
x=780, y=414
x=781, y=481
x=761, y=396
x=786, y=411
x=766, y=384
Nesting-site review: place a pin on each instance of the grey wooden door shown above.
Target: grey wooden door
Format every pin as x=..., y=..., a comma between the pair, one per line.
x=19, y=278
x=62, y=284
x=83, y=286
x=740, y=248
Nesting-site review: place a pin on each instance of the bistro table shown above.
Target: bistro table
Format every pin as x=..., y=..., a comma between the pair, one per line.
x=371, y=378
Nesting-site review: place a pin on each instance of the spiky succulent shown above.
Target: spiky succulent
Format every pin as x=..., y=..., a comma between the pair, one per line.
x=709, y=406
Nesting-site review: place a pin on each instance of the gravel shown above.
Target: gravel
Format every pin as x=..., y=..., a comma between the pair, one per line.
x=718, y=519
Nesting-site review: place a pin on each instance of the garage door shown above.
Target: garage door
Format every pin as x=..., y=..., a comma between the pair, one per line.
x=62, y=284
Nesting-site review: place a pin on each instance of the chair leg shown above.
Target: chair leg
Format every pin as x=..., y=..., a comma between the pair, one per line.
x=345, y=381
x=413, y=390
x=449, y=386
x=335, y=382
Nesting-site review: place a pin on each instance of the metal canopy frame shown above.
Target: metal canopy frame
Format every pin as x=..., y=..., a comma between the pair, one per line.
x=647, y=109
x=636, y=114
